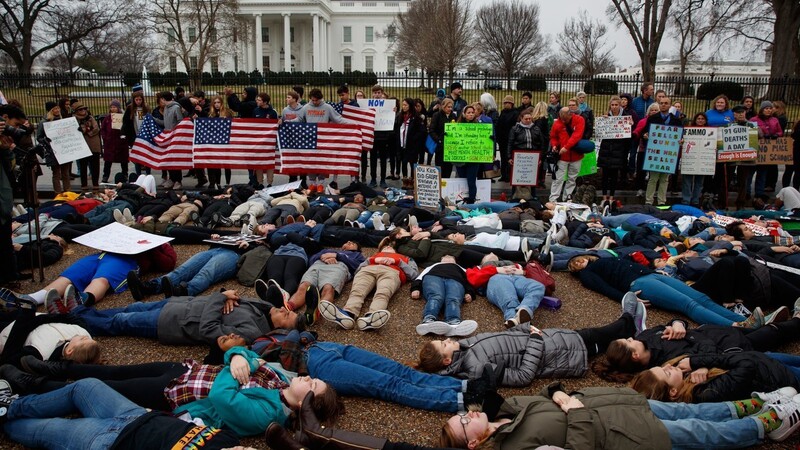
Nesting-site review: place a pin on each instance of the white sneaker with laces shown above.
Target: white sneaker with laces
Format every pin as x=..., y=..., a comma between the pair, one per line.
x=778, y=397
x=463, y=328
x=789, y=413
x=374, y=320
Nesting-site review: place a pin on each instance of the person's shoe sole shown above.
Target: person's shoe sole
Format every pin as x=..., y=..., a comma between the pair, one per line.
x=465, y=328
x=629, y=303
x=331, y=313
x=135, y=286
x=437, y=327
x=374, y=320
x=511, y=323
x=779, y=315
x=261, y=289
x=523, y=316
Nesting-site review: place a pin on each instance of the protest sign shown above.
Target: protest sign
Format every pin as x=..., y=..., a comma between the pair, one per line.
x=525, y=170
x=663, y=145
x=613, y=127
x=66, y=140
x=117, y=238
x=116, y=121
x=385, y=112
x=456, y=190
x=468, y=143
x=773, y=152
x=427, y=186
x=282, y=188
x=738, y=144
x=699, y=156
x=588, y=164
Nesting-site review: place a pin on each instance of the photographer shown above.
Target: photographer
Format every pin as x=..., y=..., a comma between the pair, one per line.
x=7, y=145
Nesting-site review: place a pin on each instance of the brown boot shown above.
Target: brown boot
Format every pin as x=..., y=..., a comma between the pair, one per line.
x=333, y=438
x=279, y=439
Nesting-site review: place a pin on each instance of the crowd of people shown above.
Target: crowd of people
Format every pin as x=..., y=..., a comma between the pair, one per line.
x=322, y=251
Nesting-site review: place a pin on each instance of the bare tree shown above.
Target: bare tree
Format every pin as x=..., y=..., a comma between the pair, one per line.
x=585, y=45
x=646, y=21
x=508, y=36
x=195, y=31
x=26, y=26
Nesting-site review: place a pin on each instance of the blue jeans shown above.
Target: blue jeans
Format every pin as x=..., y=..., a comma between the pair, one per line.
x=707, y=425
x=35, y=420
x=355, y=371
x=792, y=362
x=692, y=188
x=366, y=218
x=470, y=172
x=673, y=295
x=204, y=269
x=137, y=319
x=440, y=292
x=104, y=214
x=505, y=292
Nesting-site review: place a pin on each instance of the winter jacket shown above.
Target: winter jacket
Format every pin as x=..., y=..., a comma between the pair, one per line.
x=48, y=156
x=567, y=136
x=612, y=277
x=265, y=113
x=115, y=149
x=769, y=126
x=640, y=106
x=526, y=138
x=173, y=115
x=129, y=125
x=350, y=258
x=244, y=107
x=614, y=153
x=612, y=418
x=705, y=339
x=299, y=201
x=719, y=119
x=588, y=128
x=411, y=134
x=437, y=126
x=555, y=353
x=585, y=236
x=505, y=122
x=427, y=250
x=91, y=133
x=747, y=372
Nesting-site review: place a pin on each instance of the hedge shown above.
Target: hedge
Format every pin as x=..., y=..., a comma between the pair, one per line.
x=601, y=86
x=709, y=91
x=533, y=83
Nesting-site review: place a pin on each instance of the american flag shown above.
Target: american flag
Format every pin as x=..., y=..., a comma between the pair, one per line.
x=364, y=118
x=235, y=143
x=164, y=151
x=326, y=148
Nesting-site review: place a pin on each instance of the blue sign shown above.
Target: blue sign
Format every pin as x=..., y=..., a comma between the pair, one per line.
x=663, y=147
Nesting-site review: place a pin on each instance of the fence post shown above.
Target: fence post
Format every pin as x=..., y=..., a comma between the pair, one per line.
x=122, y=90
x=406, y=93
x=330, y=83
x=560, y=82
x=55, y=87
x=785, y=86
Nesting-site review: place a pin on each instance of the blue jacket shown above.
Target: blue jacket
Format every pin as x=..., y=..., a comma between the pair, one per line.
x=640, y=105
x=351, y=258
x=719, y=119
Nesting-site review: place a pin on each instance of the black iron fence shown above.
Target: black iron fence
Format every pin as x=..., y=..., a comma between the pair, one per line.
x=97, y=90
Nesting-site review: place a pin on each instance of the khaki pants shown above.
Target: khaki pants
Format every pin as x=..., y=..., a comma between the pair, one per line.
x=255, y=208
x=178, y=213
x=657, y=184
x=384, y=279
x=61, y=177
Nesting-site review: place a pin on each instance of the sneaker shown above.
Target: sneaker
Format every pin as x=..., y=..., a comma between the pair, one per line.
x=72, y=298
x=128, y=215
x=523, y=316
x=20, y=300
x=640, y=318
x=378, y=223
x=629, y=302
x=289, y=219
x=245, y=218
x=777, y=397
x=436, y=327
x=312, y=303
x=222, y=220
x=195, y=217
x=373, y=183
x=548, y=240
x=333, y=313
x=167, y=183
x=412, y=221
x=247, y=229
x=740, y=309
x=789, y=414
x=140, y=289
x=177, y=186
x=374, y=320
x=383, y=184
x=53, y=303
x=118, y=217
x=526, y=249
x=463, y=328
x=779, y=315
x=511, y=323
x=7, y=397
x=261, y=289
x=755, y=321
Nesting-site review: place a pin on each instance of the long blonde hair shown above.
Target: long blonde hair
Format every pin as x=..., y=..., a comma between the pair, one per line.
x=223, y=111
x=646, y=383
x=540, y=111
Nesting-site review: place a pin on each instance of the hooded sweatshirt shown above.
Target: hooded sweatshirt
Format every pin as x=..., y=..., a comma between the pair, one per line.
x=244, y=107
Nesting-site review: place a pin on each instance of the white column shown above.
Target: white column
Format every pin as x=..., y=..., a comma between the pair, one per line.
x=287, y=42
x=324, y=46
x=259, y=45
x=315, y=19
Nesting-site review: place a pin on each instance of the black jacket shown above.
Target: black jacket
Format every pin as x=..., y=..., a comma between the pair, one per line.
x=244, y=107
x=705, y=339
x=614, y=153
x=506, y=121
x=612, y=277
x=521, y=138
x=746, y=372
x=437, y=125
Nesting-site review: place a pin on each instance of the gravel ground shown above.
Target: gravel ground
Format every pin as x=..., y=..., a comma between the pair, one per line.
x=398, y=340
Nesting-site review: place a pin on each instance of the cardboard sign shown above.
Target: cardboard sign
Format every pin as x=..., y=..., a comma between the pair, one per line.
x=456, y=190
x=739, y=143
x=116, y=121
x=117, y=238
x=699, y=155
x=385, y=112
x=525, y=170
x=66, y=140
x=468, y=143
x=773, y=152
x=282, y=188
x=427, y=186
x=663, y=146
x=613, y=127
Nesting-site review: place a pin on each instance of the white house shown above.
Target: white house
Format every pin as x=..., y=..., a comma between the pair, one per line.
x=318, y=35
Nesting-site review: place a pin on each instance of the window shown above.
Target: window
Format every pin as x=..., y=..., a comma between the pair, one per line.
x=265, y=64
x=214, y=64
x=264, y=34
x=173, y=64
x=192, y=34
x=235, y=63
x=347, y=35
x=391, y=33
x=348, y=63
x=369, y=35
x=193, y=63
x=213, y=35
x=368, y=63
x=390, y=64
x=291, y=34
x=170, y=35
x=235, y=36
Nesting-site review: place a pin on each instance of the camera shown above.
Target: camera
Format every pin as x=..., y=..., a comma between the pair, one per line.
x=15, y=133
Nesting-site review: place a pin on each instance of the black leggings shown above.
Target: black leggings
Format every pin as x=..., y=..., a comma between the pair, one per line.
x=764, y=339
x=318, y=214
x=92, y=162
x=142, y=384
x=195, y=235
x=70, y=231
x=155, y=211
x=286, y=270
x=220, y=207
x=610, y=178
x=597, y=339
x=472, y=255
x=715, y=282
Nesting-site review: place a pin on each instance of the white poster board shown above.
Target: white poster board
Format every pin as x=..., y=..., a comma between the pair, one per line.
x=525, y=170
x=427, y=186
x=66, y=140
x=456, y=190
x=117, y=238
x=385, y=112
x=613, y=127
x=282, y=188
x=116, y=121
x=699, y=153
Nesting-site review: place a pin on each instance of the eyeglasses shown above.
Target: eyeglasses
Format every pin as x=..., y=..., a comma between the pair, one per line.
x=465, y=420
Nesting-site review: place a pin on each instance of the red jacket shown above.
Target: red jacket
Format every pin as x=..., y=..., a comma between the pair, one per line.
x=479, y=276
x=398, y=259
x=559, y=137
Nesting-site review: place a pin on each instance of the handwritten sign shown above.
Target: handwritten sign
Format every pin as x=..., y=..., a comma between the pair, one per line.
x=66, y=140
x=116, y=121
x=385, y=112
x=738, y=144
x=456, y=190
x=117, y=238
x=588, y=163
x=525, y=170
x=468, y=143
x=699, y=156
x=772, y=152
x=663, y=145
x=613, y=127
x=427, y=186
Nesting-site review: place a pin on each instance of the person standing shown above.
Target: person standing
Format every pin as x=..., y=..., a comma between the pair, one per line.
x=613, y=155
x=506, y=121
x=566, y=133
x=642, y=102
x=61, y=172
x=91, y=133
x=115, y=148
x=658, y=180
x=444, y=115
x=455, y=95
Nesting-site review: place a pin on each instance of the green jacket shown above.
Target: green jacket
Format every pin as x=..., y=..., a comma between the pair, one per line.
x=612, y=418
x=426, y=250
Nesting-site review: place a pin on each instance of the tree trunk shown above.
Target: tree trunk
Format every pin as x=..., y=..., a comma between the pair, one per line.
x=784, y=59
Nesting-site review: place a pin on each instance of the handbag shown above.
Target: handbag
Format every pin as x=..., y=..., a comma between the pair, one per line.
x=584, y=146
x=430, y=144
x=535, y=271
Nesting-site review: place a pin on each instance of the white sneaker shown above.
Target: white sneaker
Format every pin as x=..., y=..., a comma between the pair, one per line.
x=167, y=184
x=177, y=186
x=128, y=215
x=463, y=328
x=373, y=320
x=789, y=413
x=412, y=221
x=435, y=327
x=378, y=223
x=777, y=397
x=118, y=217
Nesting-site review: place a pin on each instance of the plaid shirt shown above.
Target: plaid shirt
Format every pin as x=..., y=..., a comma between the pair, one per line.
x=196, y=383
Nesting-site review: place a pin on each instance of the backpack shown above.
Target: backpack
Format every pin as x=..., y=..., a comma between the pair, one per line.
x=535, y=271
x=252, y=264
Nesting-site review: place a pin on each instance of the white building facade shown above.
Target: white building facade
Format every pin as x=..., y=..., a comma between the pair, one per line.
x=312, y=35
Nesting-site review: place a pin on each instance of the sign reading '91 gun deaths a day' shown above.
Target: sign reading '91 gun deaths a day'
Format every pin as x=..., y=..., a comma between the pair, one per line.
x=66, y=140
x=468, y=143
x=427, y=186
x=663, y=145
x=738, y=144
x=772, y=152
